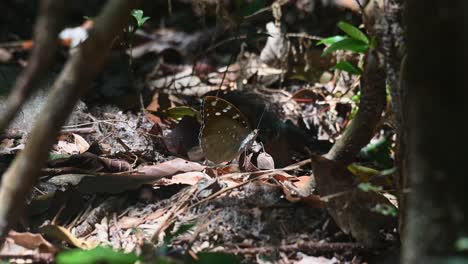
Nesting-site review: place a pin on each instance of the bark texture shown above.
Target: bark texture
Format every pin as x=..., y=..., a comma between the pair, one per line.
x=435, y=112
x=362, y=128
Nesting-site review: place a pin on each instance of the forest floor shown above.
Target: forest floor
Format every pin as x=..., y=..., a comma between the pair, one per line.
x=128, y=170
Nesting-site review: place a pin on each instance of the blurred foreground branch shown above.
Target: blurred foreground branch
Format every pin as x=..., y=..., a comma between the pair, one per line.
x=49, y=23
x=81, y=68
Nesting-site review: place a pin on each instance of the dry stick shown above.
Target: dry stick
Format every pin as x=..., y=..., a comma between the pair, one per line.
x=316, y=247
x=294, y=166
x=79, y=71
x=49, y=23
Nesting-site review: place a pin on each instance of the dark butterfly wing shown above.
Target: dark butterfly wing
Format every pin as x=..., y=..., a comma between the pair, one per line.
x=224, y=130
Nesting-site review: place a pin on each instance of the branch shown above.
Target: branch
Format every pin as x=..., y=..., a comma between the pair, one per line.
x=49, y=23
x=362, y=128
x=75, y=78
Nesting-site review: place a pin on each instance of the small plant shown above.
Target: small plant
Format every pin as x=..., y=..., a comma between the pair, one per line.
x=355, y=41
x=140, y=19
x=369, y=187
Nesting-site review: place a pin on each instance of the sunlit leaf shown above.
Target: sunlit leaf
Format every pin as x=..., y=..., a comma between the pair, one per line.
x=386, y=209
x=348, y=67
x=369, y=187
x=363, y=173
x=380, y=152
x=331, y=40
x=353, y=32
x=180, y=111
x=138, y=15
x=462, y=244
x=347, y=44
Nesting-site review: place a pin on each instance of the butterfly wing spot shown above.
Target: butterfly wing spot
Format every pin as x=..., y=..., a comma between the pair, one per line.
x=225, y=131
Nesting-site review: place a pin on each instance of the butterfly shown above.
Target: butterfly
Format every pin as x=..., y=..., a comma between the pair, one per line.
x=225, y=131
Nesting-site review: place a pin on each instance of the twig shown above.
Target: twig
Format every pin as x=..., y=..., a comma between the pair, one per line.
x=218, y=193
x=316, y=247
x=294, y=166
x=173, y=213
x=303, y=35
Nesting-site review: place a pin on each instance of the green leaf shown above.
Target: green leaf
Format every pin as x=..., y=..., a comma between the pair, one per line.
x=138, y=15
x=348, y=67
x=215, y=257
x=96, y=255
x=386, y=209
x=180, y=111
x=462, y=244
x=347, y=44
x=379, y=152
x=353, y=32
x=55, y=156
x=369, y=187
x=331, y=40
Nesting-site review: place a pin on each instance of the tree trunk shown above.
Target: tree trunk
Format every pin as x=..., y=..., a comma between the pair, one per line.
x=434, y=113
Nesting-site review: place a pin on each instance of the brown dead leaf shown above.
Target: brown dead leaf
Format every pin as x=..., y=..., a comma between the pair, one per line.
x=127, y=222
x=62, y=234
x=154, y=105
x=350, y=207
x=265, y=161
x=80, y=143
x=10, y=248
x=5, y=55
x=116, y=165
x=169, y=168
x=32, y=241
x=156, y=214
x=246, y=163
x=154, y=118
x=294, y=193
x=189, y=178
x=78, y=146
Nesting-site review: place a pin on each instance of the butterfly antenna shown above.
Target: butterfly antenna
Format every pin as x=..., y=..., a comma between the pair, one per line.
x=261, y=117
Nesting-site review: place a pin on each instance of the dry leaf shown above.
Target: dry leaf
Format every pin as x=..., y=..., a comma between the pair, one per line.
x=350, y=207
x=32, y=241
x=62, y=234
x=169, y=168
x=81, y=143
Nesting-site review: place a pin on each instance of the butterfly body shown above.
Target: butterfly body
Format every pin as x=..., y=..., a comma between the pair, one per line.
x=225, y=131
